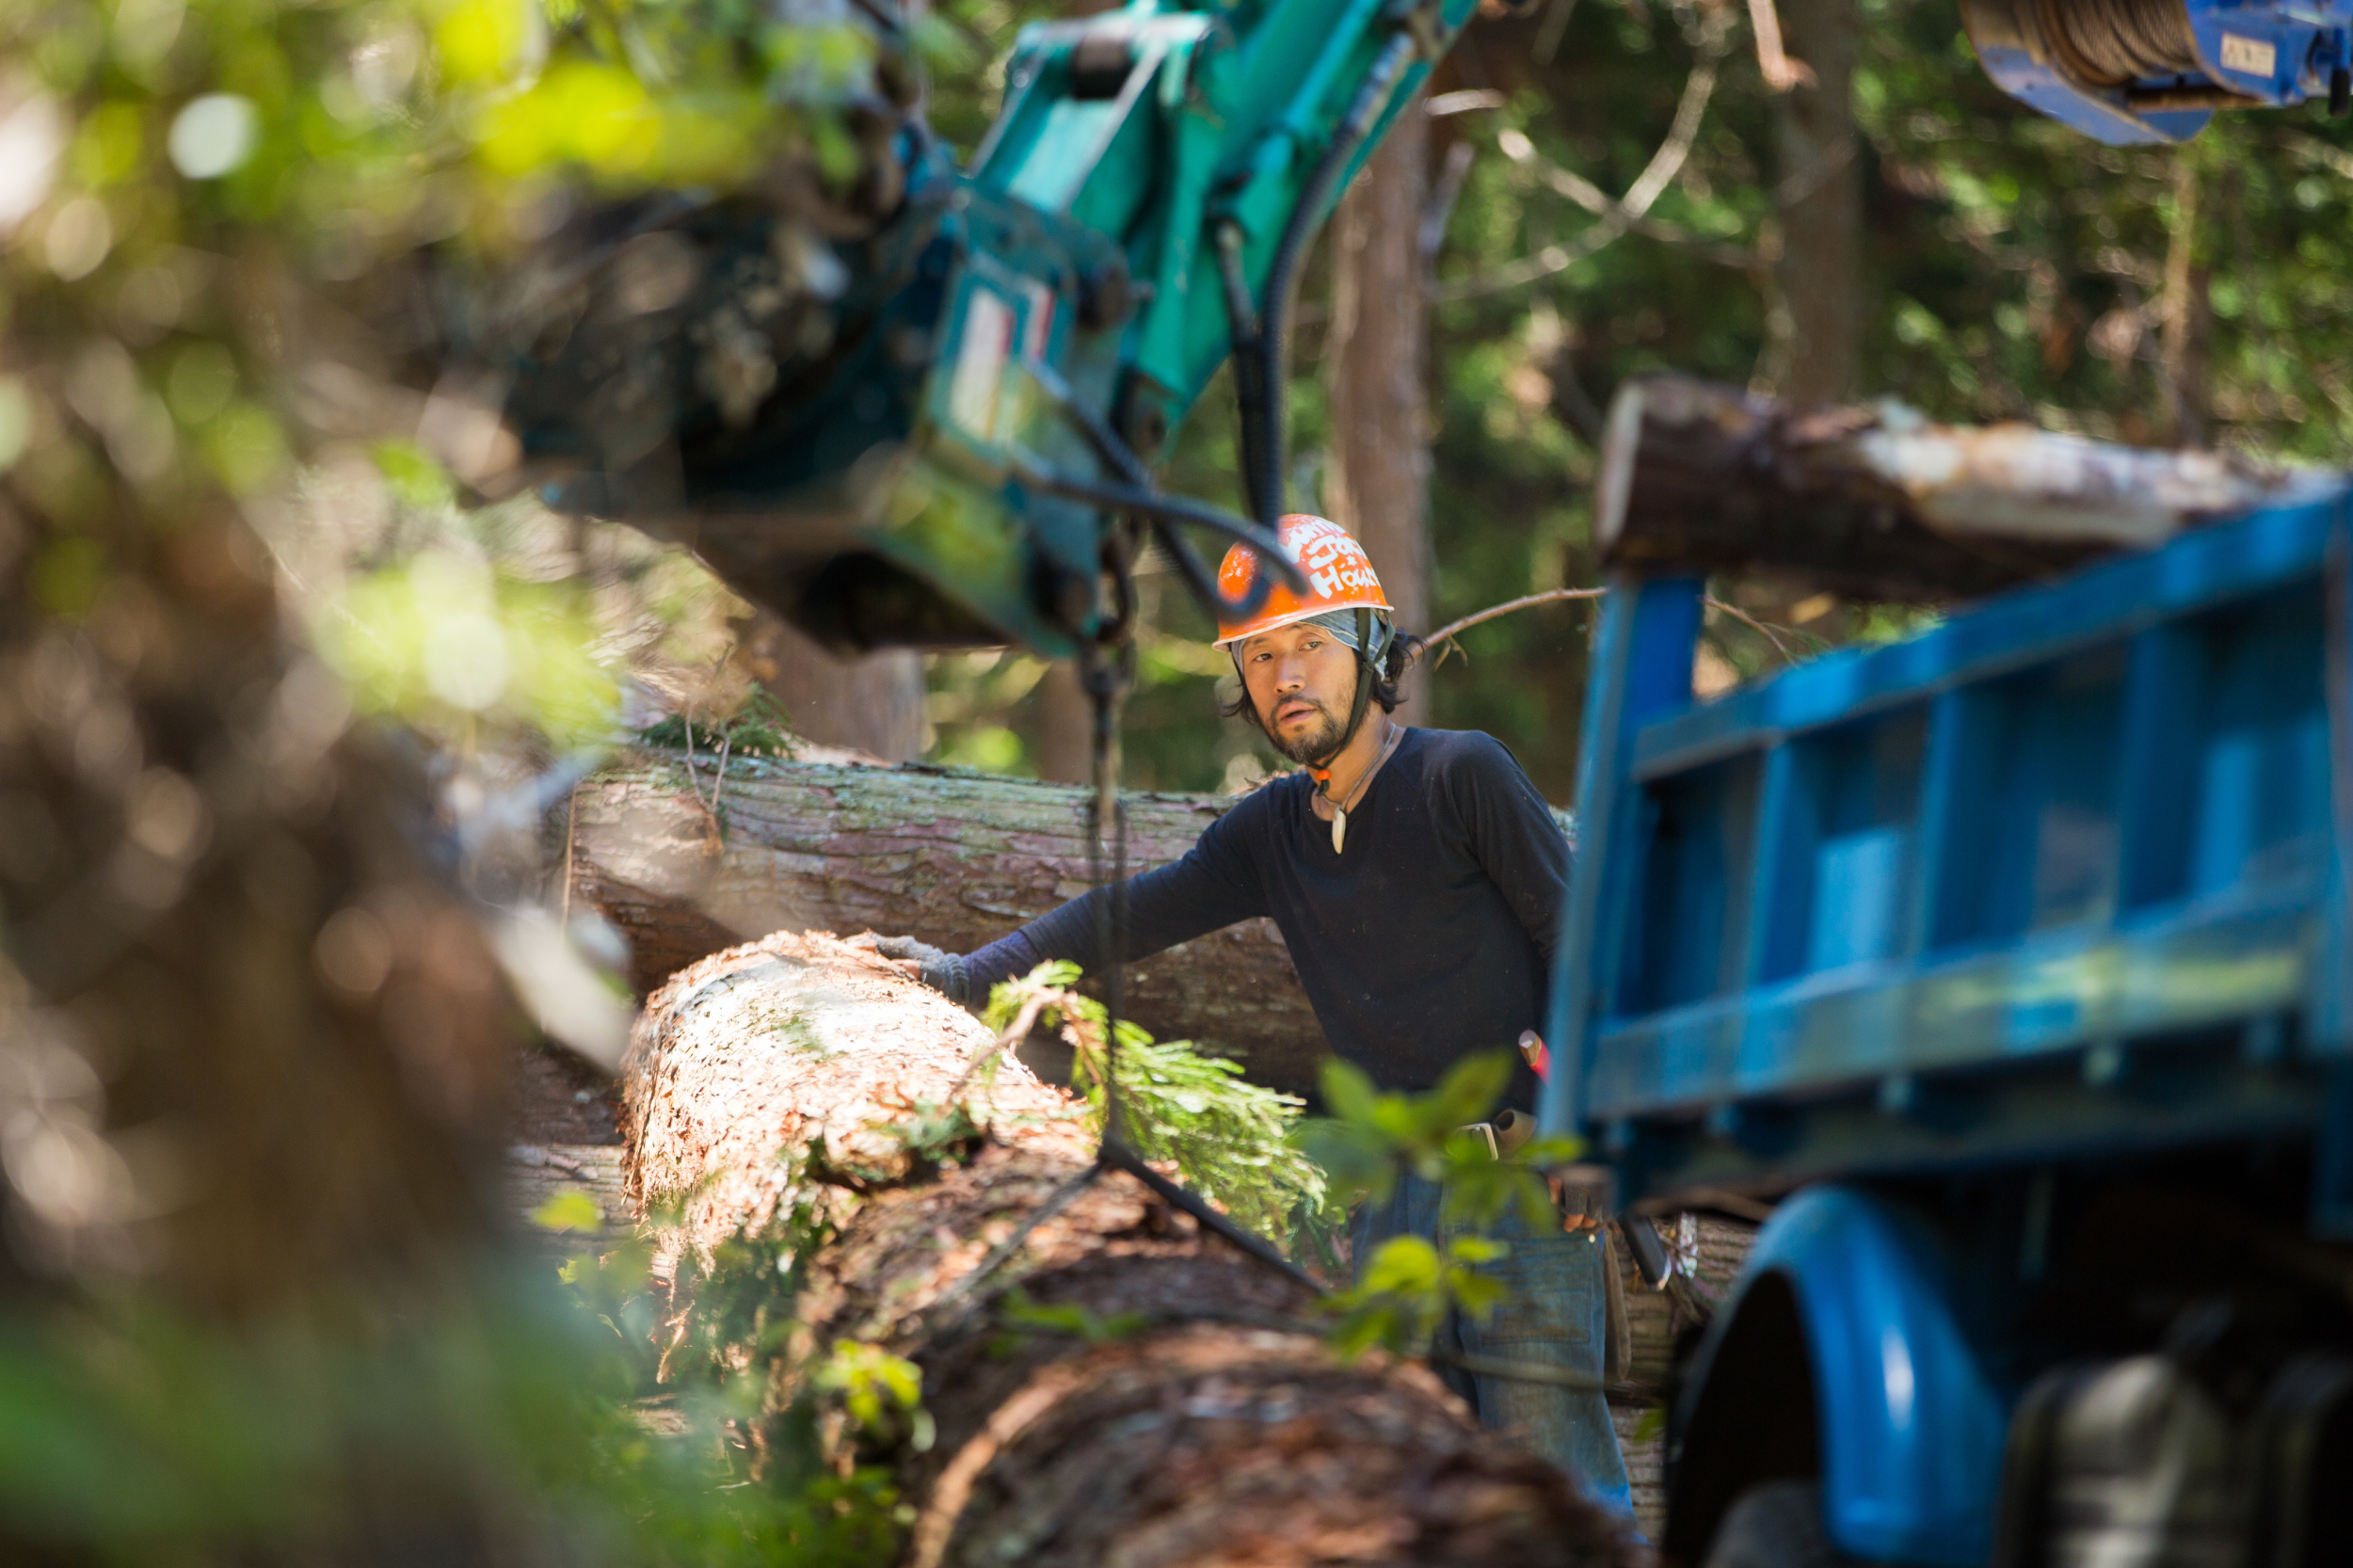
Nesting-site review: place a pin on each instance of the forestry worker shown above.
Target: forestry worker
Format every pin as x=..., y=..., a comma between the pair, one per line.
x=1417, y=877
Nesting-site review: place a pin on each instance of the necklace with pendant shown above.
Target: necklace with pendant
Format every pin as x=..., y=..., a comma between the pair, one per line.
x=1339, y=809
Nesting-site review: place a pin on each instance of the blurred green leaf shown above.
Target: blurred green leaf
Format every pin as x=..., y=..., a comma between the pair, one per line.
x=1406, y=1288
x=415, y=478
x=443, y=637
x=568, y=1211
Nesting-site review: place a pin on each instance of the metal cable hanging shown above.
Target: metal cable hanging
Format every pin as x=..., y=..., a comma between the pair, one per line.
x=1106, y=670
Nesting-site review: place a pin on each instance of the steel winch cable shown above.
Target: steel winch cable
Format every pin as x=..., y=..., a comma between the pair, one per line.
x=2114, y=42
x=1106, y=670
x=1105, y=673
x=1106, y=662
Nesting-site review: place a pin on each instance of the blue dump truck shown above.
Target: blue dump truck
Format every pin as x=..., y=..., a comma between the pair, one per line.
x=2009, y=963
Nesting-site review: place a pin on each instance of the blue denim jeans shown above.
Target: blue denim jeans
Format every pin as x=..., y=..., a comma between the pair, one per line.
x=1553, y=1313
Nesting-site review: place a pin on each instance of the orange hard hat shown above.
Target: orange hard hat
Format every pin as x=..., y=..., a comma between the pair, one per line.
x=1339, y=577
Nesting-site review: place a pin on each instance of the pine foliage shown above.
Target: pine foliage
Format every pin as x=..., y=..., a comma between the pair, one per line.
x=1228, y=1137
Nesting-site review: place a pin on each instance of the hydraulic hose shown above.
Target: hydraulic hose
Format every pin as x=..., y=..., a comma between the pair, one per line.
x=1128, y=498
x=1273, y=320
x=1167, y=511
x=1250, y=376
x=1203, y=582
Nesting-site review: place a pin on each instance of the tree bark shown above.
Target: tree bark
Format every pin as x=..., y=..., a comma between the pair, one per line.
x=1203, y=1429
x=1877, y=504
x=1379, y=486
x=2184, y=315
x=872, y=702
x=955, y=858
x=1066, y=726
x=1818, y=204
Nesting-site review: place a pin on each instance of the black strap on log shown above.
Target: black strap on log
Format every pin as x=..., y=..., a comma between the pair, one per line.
x=1119, y=1157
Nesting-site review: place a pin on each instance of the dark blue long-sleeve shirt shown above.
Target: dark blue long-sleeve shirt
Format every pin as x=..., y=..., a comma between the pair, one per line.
x=1430, y=934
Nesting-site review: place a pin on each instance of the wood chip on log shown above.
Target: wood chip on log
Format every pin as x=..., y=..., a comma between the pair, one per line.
x=1215, y=1432
x=1877, y=502
x=950, y=856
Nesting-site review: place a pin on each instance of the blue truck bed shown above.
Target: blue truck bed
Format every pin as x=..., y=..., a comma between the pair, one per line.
x=2063, y=874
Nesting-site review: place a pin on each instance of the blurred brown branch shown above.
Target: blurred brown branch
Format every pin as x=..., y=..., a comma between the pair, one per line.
x=1616, y=217
x=1445, y=634
x=1780, y=72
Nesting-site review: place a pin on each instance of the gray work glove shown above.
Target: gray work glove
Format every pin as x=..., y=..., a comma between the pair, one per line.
x=942, y=971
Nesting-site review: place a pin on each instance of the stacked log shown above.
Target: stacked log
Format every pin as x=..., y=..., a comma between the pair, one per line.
x=1206, y=1422
x=1877, y=502
x=1708, y=1250
x=955, y=858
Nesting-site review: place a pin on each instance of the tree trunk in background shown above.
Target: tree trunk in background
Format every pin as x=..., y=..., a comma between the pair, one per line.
x=1065, y=726
x=955, y=859
x=1212, y=1426
x=873, y=703
x=2185, y=315
x=1379, y=486
x=1818, y=276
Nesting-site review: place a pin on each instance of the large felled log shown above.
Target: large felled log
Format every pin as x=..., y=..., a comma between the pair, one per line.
x=951, y=856
x=1203, y=1429
x=1877, y=502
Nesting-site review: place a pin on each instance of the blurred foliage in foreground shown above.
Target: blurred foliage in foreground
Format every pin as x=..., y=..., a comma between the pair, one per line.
x=253, y=1033
x=136, y=1435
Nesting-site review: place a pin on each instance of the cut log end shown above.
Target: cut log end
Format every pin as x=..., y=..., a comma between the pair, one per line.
x=1620, y=443
x=803, y=1045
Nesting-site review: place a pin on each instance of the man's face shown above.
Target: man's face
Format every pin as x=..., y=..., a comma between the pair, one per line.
x=1303, y=681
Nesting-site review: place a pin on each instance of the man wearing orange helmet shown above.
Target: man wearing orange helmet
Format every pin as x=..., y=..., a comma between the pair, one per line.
x=1417, y=878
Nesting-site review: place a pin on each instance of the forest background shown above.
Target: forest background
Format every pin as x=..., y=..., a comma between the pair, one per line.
x=253, y=1044
x=1920, y=236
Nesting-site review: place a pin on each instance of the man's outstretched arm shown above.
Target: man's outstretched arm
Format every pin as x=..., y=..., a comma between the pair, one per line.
x=1212, y=887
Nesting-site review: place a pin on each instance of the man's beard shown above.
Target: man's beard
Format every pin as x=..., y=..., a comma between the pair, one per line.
x=1312, y=745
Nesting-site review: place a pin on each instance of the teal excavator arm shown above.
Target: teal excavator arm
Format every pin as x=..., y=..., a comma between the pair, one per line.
x=1011, y=351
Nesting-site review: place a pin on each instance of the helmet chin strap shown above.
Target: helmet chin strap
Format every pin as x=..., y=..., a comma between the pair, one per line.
x=1321, y=770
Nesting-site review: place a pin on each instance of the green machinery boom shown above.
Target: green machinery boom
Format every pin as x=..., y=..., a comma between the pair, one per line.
x=1019, y=341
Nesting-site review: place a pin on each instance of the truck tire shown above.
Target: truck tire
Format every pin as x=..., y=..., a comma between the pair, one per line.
x=1775, y=1524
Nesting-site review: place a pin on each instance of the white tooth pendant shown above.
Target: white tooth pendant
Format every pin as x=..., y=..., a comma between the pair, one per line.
x=1339, y=828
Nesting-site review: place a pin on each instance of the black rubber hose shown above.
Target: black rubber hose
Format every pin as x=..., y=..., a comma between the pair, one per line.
x=1203, y=582
x=1118, y=455
x=1152, y=503
x=1174, y=510
x=1115, y=453
x=1273, y=332
x=1250, y=374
